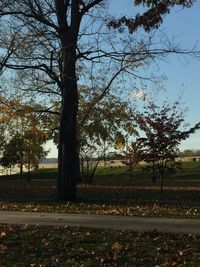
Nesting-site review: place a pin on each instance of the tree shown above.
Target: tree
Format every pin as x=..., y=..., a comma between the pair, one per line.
x=48, y=38
x=14, y=153
x=24, y=133
x=23, y=150
x=164, y=129
x=106, y=125
x=2, y=139
x=34, y=149
x=134, y=156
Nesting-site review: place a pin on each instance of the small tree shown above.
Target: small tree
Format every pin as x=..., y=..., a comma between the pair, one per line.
x=34, y=150
x=89, y=160
x=23, y=150
x=164, y=129
x=133, y=156
x=24, y=130
x=101, y=127
x=13, y=153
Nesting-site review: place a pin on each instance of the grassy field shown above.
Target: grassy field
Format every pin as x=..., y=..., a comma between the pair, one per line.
x=112, y=192
x=189, y=172
x=74, y=247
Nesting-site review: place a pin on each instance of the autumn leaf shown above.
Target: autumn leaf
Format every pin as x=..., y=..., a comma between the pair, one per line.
x=2, y=234
x=116, y=246
x=3, y=248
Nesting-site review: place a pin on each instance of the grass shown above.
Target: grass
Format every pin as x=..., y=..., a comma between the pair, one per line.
x=65, y=247
x=189, y=172
x=118, y=175
x=42, y=174
x=112, y=193
x=181, y=202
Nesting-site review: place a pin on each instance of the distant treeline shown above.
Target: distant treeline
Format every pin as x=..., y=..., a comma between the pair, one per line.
x=49, y=160
x=190, y=153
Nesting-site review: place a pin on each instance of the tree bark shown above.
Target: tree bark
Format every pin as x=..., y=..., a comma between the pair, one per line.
x=21, y=164
x=68, y=159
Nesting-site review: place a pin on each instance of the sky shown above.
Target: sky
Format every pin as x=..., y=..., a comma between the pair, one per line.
x=182, y=73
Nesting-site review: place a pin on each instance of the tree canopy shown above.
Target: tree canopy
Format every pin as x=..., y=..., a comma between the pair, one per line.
x=164, y=129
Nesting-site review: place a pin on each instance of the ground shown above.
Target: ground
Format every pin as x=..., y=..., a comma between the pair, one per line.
x=57, y=246
x=115, y=193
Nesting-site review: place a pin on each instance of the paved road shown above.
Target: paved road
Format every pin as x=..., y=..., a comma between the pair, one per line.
x=187, y=226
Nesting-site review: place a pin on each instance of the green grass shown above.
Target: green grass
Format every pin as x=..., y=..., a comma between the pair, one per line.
x=181, y=202
x=118, y=175
x=74, y=247
x=190, y=172
x=41, y=174
x=114, y=193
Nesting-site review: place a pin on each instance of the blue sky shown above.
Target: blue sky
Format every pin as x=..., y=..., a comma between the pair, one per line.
x=183, y=74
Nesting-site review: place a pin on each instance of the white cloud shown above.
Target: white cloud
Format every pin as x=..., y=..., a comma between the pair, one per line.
x=141, y=94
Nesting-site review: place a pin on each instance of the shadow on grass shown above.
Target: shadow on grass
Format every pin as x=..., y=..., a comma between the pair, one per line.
x=45, y=192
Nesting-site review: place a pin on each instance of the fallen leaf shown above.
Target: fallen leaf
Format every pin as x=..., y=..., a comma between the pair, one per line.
x=2, y=234
x=3, y=248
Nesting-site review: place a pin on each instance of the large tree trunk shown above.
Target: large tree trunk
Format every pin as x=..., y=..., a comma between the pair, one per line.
x=68, y=160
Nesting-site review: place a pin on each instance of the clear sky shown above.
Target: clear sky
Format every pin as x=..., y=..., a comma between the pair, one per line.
x=183, y=74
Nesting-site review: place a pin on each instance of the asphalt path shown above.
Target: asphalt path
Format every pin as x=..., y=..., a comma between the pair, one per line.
x=164, y=225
